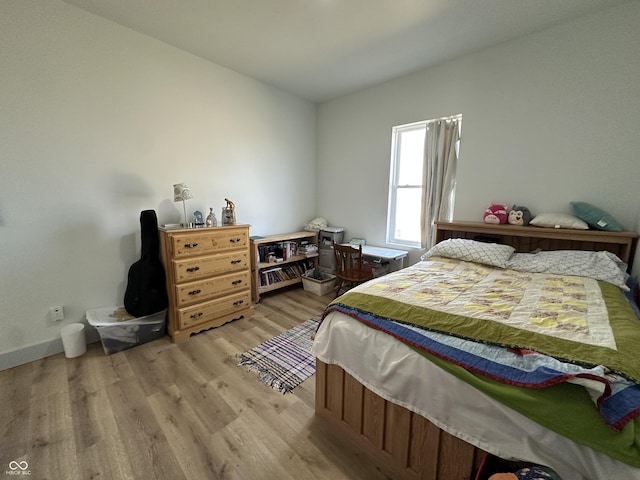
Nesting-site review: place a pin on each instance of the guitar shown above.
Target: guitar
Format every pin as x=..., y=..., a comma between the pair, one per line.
x=146, y=291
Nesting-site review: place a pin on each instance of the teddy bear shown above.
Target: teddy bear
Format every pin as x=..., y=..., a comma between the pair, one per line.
x=519, y=215
x=496, y=213
x=528, y=473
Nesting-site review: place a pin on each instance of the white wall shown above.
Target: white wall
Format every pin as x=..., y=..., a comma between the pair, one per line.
x=547, y=119
x=97, y=123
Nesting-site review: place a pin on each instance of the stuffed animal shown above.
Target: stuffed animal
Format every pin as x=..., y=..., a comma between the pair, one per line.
x=528, y=473
x=519, y=216
x=495, y=213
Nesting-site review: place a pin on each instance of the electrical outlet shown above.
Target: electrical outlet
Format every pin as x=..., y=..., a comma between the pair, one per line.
x=56, y=314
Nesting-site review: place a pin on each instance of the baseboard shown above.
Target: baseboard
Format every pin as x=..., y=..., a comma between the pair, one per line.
x=39, y=351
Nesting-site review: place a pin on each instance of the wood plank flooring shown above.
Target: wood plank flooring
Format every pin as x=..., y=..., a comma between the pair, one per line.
x=174, y=411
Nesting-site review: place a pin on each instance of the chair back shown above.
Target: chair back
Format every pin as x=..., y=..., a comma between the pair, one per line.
x=349, y=265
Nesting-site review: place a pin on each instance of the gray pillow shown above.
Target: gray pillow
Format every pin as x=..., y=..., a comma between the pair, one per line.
x=598, y=265
x=472, y=251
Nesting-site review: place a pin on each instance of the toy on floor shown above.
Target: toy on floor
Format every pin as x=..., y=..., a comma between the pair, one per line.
x=528, y=473
x=496, y=213
x=519, y=216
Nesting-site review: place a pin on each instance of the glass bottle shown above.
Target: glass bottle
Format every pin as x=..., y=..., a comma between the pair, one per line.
x=211, y=219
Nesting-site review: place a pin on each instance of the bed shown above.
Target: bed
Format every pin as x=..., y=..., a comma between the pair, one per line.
x=429, y=394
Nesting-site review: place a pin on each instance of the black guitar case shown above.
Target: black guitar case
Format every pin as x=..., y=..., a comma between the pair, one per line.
x=146, y=291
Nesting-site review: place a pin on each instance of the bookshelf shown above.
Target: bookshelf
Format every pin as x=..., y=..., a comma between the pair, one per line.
x=278, y=261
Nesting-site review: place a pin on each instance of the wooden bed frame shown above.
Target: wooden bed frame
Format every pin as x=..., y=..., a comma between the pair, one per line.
x=527, y=239
x=405, y=443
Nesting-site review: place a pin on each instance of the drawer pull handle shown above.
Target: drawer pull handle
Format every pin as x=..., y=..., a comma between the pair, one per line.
x=238, y=302
x=195, y=292
x=190, y=245
x=196, y=315
x=236, y=260
x=234, y=240
x=236, y=282
x=193, y=269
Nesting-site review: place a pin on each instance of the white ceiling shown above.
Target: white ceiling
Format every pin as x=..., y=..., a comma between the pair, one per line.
x=321, y=49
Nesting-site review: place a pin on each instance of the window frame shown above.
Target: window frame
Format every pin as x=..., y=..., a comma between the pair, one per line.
x=394, y=185
x=394, y=170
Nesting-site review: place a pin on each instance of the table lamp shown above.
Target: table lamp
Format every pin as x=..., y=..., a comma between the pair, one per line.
x=182, y=192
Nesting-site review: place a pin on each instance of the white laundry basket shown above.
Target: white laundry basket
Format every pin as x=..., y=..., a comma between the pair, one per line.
x=73, y=340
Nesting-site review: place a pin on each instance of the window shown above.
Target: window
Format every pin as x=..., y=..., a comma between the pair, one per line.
x=407, y=198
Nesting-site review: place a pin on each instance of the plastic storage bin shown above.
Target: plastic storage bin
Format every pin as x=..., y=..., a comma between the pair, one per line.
x=330, y=234
x=321, y=286
x=117, y=336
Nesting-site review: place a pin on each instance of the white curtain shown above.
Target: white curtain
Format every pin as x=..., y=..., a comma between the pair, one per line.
x=440, y=160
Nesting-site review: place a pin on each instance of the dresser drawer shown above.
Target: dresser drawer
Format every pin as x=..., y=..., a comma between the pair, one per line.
x=202, y=290
x=201, y=267
x=208, y=311
x=208, y=241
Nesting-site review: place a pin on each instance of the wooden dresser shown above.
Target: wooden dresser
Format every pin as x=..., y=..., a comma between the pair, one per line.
x=208, y=275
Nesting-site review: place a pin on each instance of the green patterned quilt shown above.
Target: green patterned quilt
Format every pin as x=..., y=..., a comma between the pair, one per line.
x=566, y=323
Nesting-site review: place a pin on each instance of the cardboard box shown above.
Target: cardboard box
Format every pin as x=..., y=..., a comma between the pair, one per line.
x=318, y=287
x=117, y=336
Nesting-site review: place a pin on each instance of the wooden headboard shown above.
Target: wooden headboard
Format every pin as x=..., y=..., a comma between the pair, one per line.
x=527, y=239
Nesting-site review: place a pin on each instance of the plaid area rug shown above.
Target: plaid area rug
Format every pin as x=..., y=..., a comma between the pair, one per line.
x=285, y=361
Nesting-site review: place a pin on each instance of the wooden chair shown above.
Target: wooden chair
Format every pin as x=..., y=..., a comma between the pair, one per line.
x=349, y=265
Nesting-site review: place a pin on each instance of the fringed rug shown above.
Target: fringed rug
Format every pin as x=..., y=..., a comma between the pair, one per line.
x=285, y=361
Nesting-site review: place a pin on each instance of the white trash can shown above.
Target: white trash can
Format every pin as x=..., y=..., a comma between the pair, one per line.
x=73, y=340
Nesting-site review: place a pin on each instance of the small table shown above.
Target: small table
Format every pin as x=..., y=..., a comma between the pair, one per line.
x=380, y=255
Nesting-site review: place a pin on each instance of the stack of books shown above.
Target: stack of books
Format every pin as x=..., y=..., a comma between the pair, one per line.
x=308, y=249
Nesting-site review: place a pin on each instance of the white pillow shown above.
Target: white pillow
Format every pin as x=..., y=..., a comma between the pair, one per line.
x=598, y=265
x=559, y=220
x=472, y=251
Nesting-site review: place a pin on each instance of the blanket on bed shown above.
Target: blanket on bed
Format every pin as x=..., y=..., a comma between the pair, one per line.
x=524, y=329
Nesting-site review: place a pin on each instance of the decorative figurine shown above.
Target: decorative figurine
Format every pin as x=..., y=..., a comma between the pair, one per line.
x=197, y=218
x=229, y=213
x=211, y=219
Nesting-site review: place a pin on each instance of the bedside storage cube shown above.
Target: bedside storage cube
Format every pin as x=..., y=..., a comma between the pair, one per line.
x=319, y=287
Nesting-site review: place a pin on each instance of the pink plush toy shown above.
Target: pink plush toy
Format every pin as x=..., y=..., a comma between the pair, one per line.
x=496, y=213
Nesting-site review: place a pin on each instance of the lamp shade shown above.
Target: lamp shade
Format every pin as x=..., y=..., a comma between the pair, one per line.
x=181, y=192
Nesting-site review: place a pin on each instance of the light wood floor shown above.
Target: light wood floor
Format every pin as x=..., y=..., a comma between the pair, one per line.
x=173, y=411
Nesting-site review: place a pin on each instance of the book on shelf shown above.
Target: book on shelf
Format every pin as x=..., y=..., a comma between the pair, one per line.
x=291, y=271
x=270, y=276
x=289, y=249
